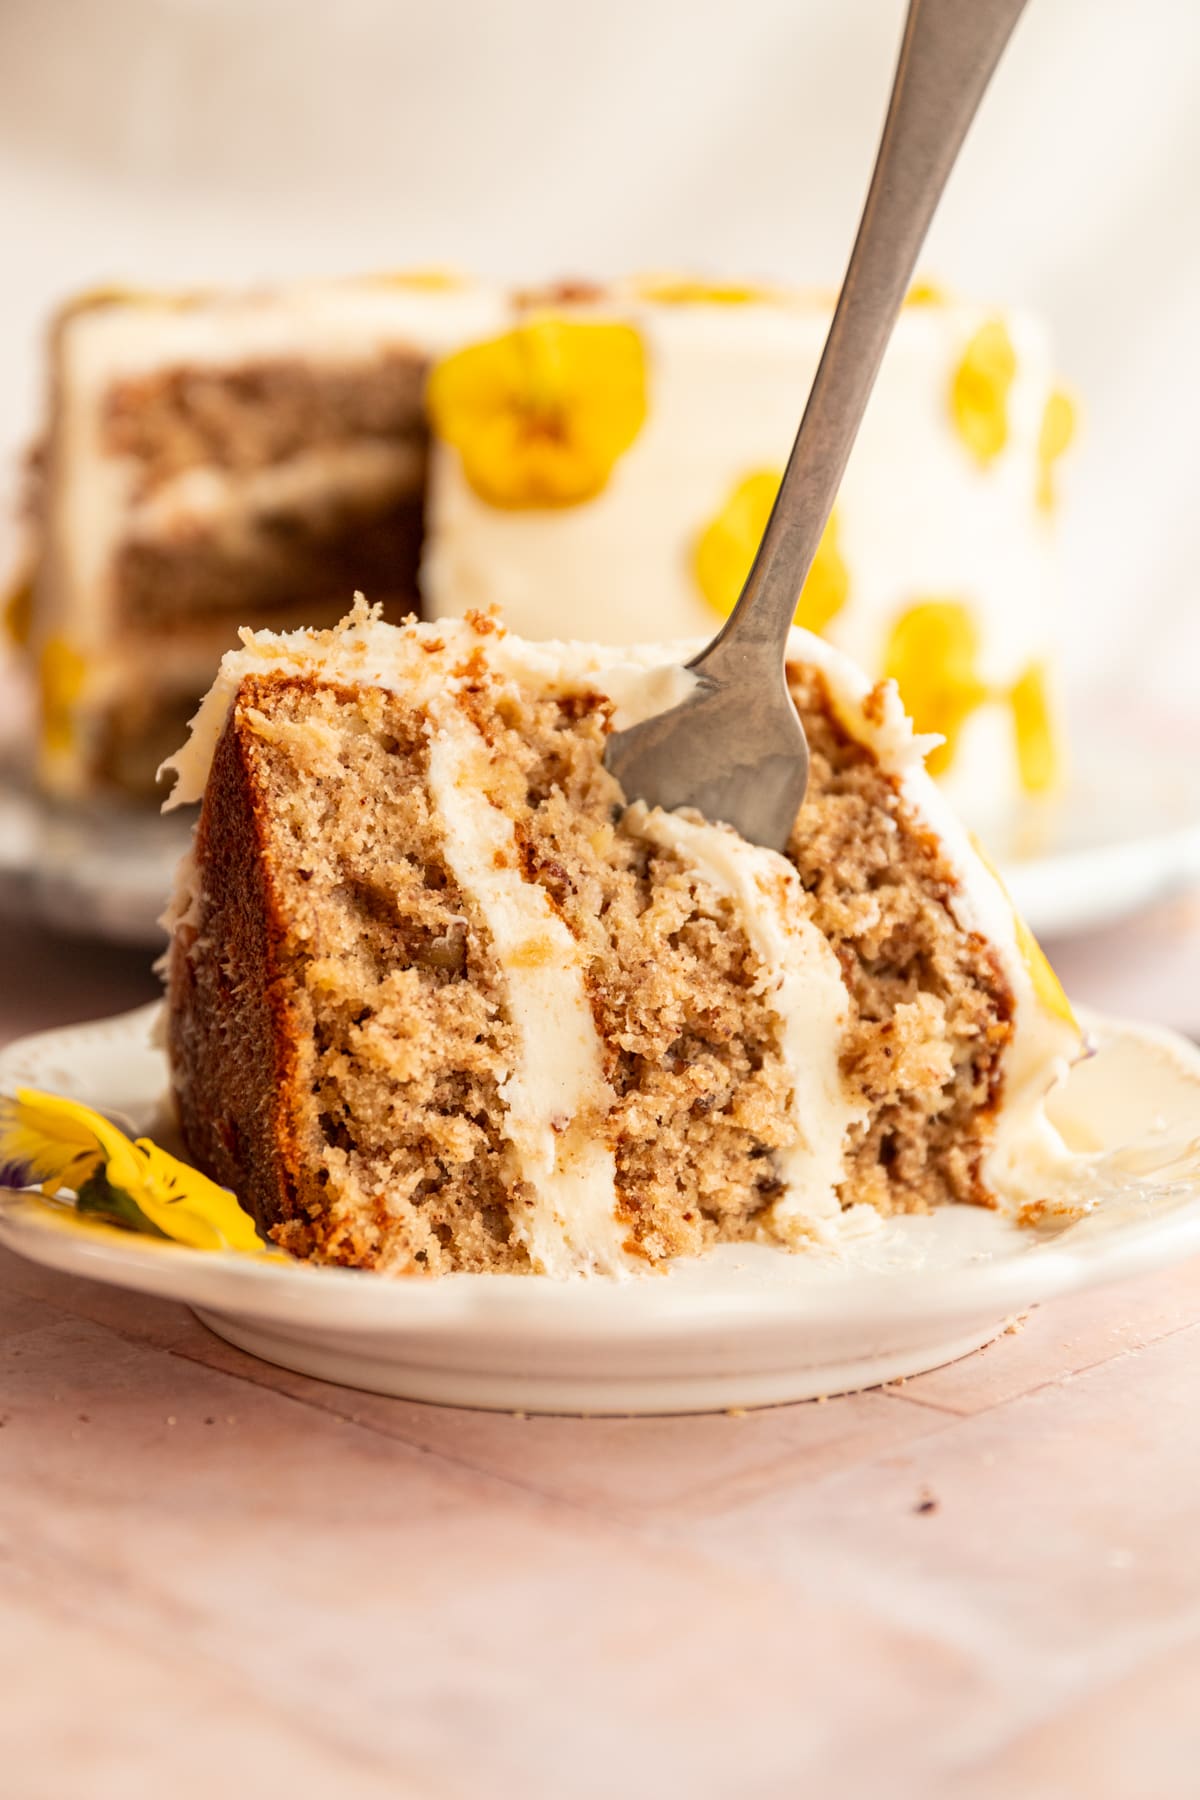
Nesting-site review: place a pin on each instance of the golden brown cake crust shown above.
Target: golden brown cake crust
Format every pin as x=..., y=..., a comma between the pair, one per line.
x=231, y=1038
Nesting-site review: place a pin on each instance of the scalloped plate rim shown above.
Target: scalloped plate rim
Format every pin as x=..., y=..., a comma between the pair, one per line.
x=789, y=1318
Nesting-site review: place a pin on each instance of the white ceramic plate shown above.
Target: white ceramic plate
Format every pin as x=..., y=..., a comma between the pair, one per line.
x=746, y=1326
x=1126, y=834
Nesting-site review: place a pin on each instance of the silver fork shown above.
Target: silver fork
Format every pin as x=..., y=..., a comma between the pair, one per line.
x=735, y=749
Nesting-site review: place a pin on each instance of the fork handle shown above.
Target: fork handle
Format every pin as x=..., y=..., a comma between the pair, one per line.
x=947, y=55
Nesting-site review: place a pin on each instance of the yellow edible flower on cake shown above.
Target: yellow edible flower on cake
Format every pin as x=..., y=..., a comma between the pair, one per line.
x=926, y=293
x=54, y=1143
x=683, y=290
x=433, y=280
x=932, y=655
x=61, y=671
x=541, y=415
x=1046, y=985
x=18, y=611
x=1057, y=431
x=726, y=548
x=979, y=391
x=1033, y=725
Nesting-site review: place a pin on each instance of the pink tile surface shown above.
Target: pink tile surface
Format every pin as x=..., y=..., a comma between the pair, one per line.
x=1140, y=1735
x=333, y=1592
x=1074, y=1334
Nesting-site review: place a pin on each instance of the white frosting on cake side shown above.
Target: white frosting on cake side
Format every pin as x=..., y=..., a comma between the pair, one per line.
x=223, y=502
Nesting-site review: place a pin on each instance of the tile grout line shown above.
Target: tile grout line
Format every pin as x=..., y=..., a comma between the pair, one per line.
x=478, y=1470
x=1051, y=1381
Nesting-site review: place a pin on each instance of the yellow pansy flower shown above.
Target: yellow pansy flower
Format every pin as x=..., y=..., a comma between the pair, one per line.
x=61, y=671
x=1057, y=430
x=52, y=1143
x=979, y=391
x=726, y=547
x=932, y=655
x=541, y=415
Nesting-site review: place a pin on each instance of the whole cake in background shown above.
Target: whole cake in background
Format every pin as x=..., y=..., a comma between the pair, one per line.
x=604, y=463
x=605, y=468
x=212, y=460
x=439, y=999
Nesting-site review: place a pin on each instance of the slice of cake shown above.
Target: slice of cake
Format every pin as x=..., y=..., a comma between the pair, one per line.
x=585, y=509
x=213, y=460
x=440, y=1000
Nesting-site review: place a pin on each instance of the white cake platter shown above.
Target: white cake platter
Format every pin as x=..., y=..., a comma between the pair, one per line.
x=745, y=1326
x=101, y=873
x=1124, y=835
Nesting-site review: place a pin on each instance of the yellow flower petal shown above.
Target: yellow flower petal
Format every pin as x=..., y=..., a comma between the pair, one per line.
x=1057, y=431
x=685, y=290
x=18, y=610
x=61, y=671
x=979, y=391
x=926, y=293
x=541, y=415
x=1033, y=725
x=61, y=1143
x=53, y=1141
x=1046, y=985
x=432, y=280
x=726, y=547
x=187, y=1206
x=932, y=655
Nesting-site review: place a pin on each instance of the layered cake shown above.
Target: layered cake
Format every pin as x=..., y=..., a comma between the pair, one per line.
x=605, y=468
x=605, y=461
x=441, y=999
x=212, y=460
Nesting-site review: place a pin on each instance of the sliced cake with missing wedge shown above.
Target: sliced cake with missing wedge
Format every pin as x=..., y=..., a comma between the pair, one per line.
x=440, y=999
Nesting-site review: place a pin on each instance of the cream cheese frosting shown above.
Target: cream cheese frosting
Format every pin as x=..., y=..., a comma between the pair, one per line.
x=921, y=517
x=556, y=1096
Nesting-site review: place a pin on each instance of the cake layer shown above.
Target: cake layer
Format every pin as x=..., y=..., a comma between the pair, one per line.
x=294, y=557
x=214, y=457
x=440, y=999
x=254, y=415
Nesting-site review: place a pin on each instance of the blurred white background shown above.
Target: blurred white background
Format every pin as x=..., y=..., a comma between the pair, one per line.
x=192, y=141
